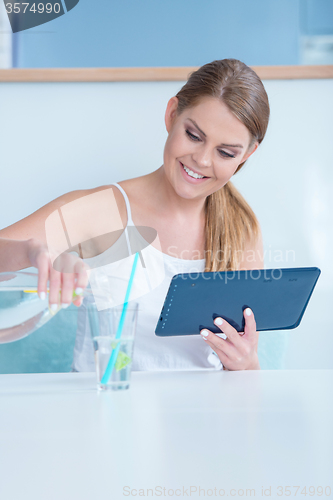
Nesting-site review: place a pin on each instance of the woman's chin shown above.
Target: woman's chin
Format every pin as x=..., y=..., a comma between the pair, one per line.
x=185, y=188
x=186, y=192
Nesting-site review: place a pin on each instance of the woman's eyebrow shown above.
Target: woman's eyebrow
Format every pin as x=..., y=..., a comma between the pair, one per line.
x=203, y=133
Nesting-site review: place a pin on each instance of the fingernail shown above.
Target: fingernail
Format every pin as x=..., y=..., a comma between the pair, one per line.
x=78, y=290
x=221, y=335
x=42, y=295
x=204, y=333
x=248, y=312
x=214, y=360
x=54, y=307
x=64, y=306
x=218, y=321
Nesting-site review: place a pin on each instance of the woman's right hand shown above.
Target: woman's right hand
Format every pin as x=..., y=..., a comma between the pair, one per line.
x=71, y=277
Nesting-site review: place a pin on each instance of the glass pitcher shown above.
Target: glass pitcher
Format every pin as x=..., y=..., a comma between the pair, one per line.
x=21, y=310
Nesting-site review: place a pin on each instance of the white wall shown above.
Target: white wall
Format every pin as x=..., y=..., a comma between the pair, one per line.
x=56, y=137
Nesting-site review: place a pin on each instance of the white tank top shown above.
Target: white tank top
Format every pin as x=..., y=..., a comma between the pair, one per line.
x=150, y=351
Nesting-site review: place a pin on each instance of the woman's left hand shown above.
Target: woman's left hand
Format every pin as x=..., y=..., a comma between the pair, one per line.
x=237, y=351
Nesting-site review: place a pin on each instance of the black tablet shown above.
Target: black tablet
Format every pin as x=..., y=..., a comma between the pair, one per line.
x=278, y=298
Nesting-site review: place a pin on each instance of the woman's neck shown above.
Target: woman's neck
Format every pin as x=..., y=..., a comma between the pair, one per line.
x=164, y=197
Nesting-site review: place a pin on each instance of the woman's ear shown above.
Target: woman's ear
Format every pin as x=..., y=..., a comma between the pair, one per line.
x=247, y=155
x=170, y=113
x=250, y=151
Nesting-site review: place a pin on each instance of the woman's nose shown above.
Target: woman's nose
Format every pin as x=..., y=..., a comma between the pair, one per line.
x=203, y=157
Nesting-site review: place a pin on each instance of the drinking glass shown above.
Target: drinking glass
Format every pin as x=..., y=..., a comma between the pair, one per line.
x=110, y=333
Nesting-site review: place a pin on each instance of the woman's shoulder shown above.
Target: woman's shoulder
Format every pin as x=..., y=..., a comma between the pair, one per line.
x=134, y=187
x=138, y=192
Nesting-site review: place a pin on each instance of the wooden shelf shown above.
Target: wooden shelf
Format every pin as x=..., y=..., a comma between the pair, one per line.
x=151, y=74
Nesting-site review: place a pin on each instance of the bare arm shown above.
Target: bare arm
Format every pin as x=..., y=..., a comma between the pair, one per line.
x=24, y=243
x=33, y=226
x=13, y=255
x=88, y=213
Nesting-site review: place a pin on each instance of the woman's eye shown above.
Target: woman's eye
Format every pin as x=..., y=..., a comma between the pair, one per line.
x=226, y=155
x=192, y=136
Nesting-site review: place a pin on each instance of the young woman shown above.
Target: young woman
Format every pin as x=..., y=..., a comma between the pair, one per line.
x=214, y=124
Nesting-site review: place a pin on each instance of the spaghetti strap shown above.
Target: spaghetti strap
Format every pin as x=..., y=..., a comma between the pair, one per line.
x=128, y=206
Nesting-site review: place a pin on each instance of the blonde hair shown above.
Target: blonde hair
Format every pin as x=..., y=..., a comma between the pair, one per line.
x=230, y=221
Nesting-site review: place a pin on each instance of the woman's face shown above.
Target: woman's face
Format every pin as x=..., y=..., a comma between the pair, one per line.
x=206, y=139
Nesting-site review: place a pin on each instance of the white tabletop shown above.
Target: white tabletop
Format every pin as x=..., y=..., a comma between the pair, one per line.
x=234, y=431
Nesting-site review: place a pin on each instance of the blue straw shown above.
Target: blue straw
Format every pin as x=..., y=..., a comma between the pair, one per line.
x=114, y=354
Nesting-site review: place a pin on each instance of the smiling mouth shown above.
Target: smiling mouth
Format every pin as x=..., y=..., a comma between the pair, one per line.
x=192, y=174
